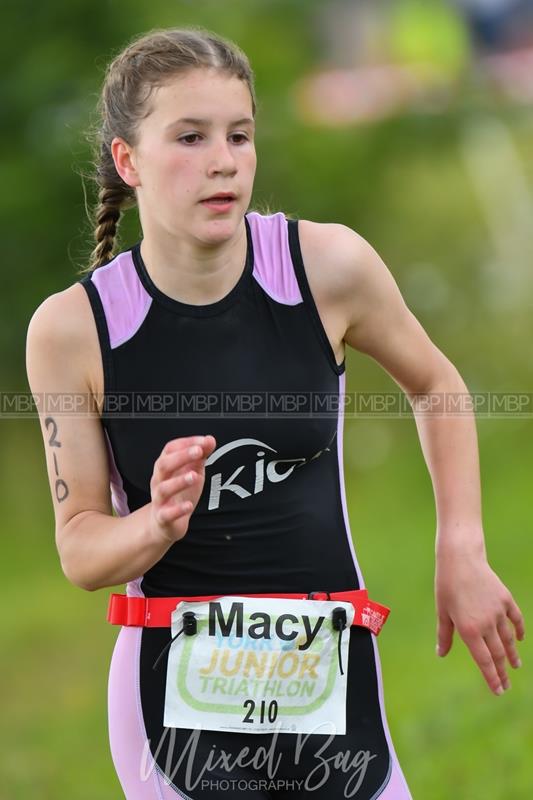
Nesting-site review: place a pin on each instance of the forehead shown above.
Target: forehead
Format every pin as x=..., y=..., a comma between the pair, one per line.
x=202, y=93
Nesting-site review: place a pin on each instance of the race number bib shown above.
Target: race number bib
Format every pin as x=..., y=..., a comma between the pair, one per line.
x=258, y=665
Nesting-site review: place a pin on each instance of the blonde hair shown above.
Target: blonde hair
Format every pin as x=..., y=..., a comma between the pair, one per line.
x=147, y=62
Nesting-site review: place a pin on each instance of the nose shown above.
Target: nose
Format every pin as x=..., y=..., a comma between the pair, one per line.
x=221, y=158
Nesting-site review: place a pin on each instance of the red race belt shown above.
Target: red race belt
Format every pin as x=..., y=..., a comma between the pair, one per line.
x=155, y=612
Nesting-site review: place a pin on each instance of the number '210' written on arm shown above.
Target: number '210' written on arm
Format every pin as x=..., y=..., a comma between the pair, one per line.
x=61, y=487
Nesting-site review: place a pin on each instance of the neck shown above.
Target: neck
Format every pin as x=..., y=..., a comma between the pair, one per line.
x=191, y=271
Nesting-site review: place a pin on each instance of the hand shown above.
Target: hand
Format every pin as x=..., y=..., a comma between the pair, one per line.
x=176, y=485
x=471, y=598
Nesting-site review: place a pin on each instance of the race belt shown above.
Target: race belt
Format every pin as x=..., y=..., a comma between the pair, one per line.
x=156, y=612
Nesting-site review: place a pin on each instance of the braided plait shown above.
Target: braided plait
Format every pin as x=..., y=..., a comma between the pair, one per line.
x=107, y=216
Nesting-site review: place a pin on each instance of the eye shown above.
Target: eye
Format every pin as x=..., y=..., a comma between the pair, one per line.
x=186, y=139
x=242, y=136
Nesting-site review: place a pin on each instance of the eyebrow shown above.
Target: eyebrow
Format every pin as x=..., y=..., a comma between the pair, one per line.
x=207, y=123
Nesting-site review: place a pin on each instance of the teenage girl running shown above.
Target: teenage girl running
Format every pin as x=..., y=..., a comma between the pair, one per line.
x=218, y=301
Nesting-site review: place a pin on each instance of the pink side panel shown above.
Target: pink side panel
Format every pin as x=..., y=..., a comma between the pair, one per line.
x=120, y=504
x=124, y=298
x=396, y=788
x=273, y=268
x=118, y=495
x=127, y=734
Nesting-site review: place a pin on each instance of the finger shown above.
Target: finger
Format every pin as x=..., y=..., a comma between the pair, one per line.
x=508, y=642
x=167, y=464
x=207, y=442
x=181, y=443
x=497, y=652
x=444, y=635
x=207, y=448
x=201, y=448
x=171, y=512
x=167, y=488
x=515, y=615
x=483, y=658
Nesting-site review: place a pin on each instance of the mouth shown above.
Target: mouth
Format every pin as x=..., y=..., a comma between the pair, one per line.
x=221, y=198
x=220, y=203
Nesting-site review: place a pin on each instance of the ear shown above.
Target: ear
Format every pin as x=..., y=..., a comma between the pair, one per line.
x=124, y=159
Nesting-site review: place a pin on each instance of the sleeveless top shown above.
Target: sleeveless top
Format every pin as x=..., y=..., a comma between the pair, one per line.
x=257, y=371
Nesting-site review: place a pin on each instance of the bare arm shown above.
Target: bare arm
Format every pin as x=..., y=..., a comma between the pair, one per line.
x=97, y=549
x=469, y=595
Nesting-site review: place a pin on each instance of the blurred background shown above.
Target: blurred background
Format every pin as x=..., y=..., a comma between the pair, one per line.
x=410, y=121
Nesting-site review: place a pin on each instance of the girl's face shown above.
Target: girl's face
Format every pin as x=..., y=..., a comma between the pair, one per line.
x=197, y=141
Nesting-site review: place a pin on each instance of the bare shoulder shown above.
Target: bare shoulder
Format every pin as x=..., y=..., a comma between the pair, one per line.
x=62, y=331
x=337, y=261
x=335, y=243
x=336, y=256
x=62, y=310
x=359, y=291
